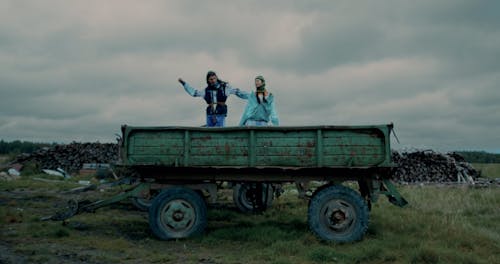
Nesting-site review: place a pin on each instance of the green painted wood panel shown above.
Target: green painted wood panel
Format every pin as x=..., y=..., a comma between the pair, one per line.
x=155, y=147
x=365, y=147
x=236, y=142
x=285, y=151
x=168, y=160
x=204, y=160
x=159, y=150
x=273, y=146
x=352, y=150
x=286, y=142
x=285, y=148
x=146, y=139
x=289, y=133
x=351, y=140
x=224, y=150
x=211, y=140
x=349, y=161
x=286, y=161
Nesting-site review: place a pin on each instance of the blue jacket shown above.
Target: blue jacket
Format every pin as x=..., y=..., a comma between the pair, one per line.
x=263, y=111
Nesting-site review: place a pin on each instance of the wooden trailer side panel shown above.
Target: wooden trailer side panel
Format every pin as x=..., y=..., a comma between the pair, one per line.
x=301, y=147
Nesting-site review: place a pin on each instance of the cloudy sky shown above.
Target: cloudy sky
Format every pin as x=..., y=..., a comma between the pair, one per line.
x=77, y=70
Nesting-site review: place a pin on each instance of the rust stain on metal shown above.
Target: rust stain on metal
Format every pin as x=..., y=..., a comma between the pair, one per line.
x=205, y=138
x=363, y=150
x=309, y=153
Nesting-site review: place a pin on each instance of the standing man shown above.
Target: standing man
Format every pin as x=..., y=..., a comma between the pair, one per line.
x=215, y=94
x=260, y=107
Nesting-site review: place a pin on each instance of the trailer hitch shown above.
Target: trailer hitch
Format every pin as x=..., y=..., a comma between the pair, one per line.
x=74, y=207
x=393, y=195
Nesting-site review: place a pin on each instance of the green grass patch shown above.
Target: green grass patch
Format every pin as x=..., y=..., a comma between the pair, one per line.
x=488, y=170
x=440, y=225
x=29, y=182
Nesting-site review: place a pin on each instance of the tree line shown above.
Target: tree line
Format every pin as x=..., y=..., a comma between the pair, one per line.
x=17, y=147
x=480, y=156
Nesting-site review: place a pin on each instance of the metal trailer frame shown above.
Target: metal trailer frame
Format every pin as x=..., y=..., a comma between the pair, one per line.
x=336, y=213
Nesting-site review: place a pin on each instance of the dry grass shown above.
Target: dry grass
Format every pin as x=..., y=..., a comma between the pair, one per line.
x=441, y=225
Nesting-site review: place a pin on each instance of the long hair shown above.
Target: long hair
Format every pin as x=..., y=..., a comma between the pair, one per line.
x=210, y=74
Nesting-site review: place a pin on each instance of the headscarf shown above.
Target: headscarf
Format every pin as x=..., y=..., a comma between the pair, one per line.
x=262, y=88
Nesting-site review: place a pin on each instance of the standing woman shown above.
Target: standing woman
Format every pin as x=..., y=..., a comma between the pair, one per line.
x=260, y=109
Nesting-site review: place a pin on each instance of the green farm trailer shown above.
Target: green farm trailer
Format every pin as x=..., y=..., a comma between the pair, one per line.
x=179, y=170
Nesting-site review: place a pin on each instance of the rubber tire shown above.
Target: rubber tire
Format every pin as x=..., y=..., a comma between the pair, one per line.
x=241, y=201
x=350, y=200
x=156, y=217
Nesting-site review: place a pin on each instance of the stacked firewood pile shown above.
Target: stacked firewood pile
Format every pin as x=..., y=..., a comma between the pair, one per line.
x=431, y=166
x=72, y=156
x=412, y=167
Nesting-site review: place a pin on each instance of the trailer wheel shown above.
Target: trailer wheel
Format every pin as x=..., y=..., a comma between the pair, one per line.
x=177, y=213
x=338, y=214
x=253, y=197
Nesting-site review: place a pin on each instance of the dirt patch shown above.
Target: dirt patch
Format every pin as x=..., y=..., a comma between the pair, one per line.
x=9, y=256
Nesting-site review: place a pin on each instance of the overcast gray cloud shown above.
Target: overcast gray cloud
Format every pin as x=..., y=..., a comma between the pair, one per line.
x=77, y=70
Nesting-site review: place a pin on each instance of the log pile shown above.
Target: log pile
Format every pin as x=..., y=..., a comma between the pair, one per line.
x=430, y=166
x=412, y=167
x=71, y=157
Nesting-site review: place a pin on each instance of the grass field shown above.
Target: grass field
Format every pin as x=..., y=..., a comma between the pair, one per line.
x=488, y=170
x=441, y=225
